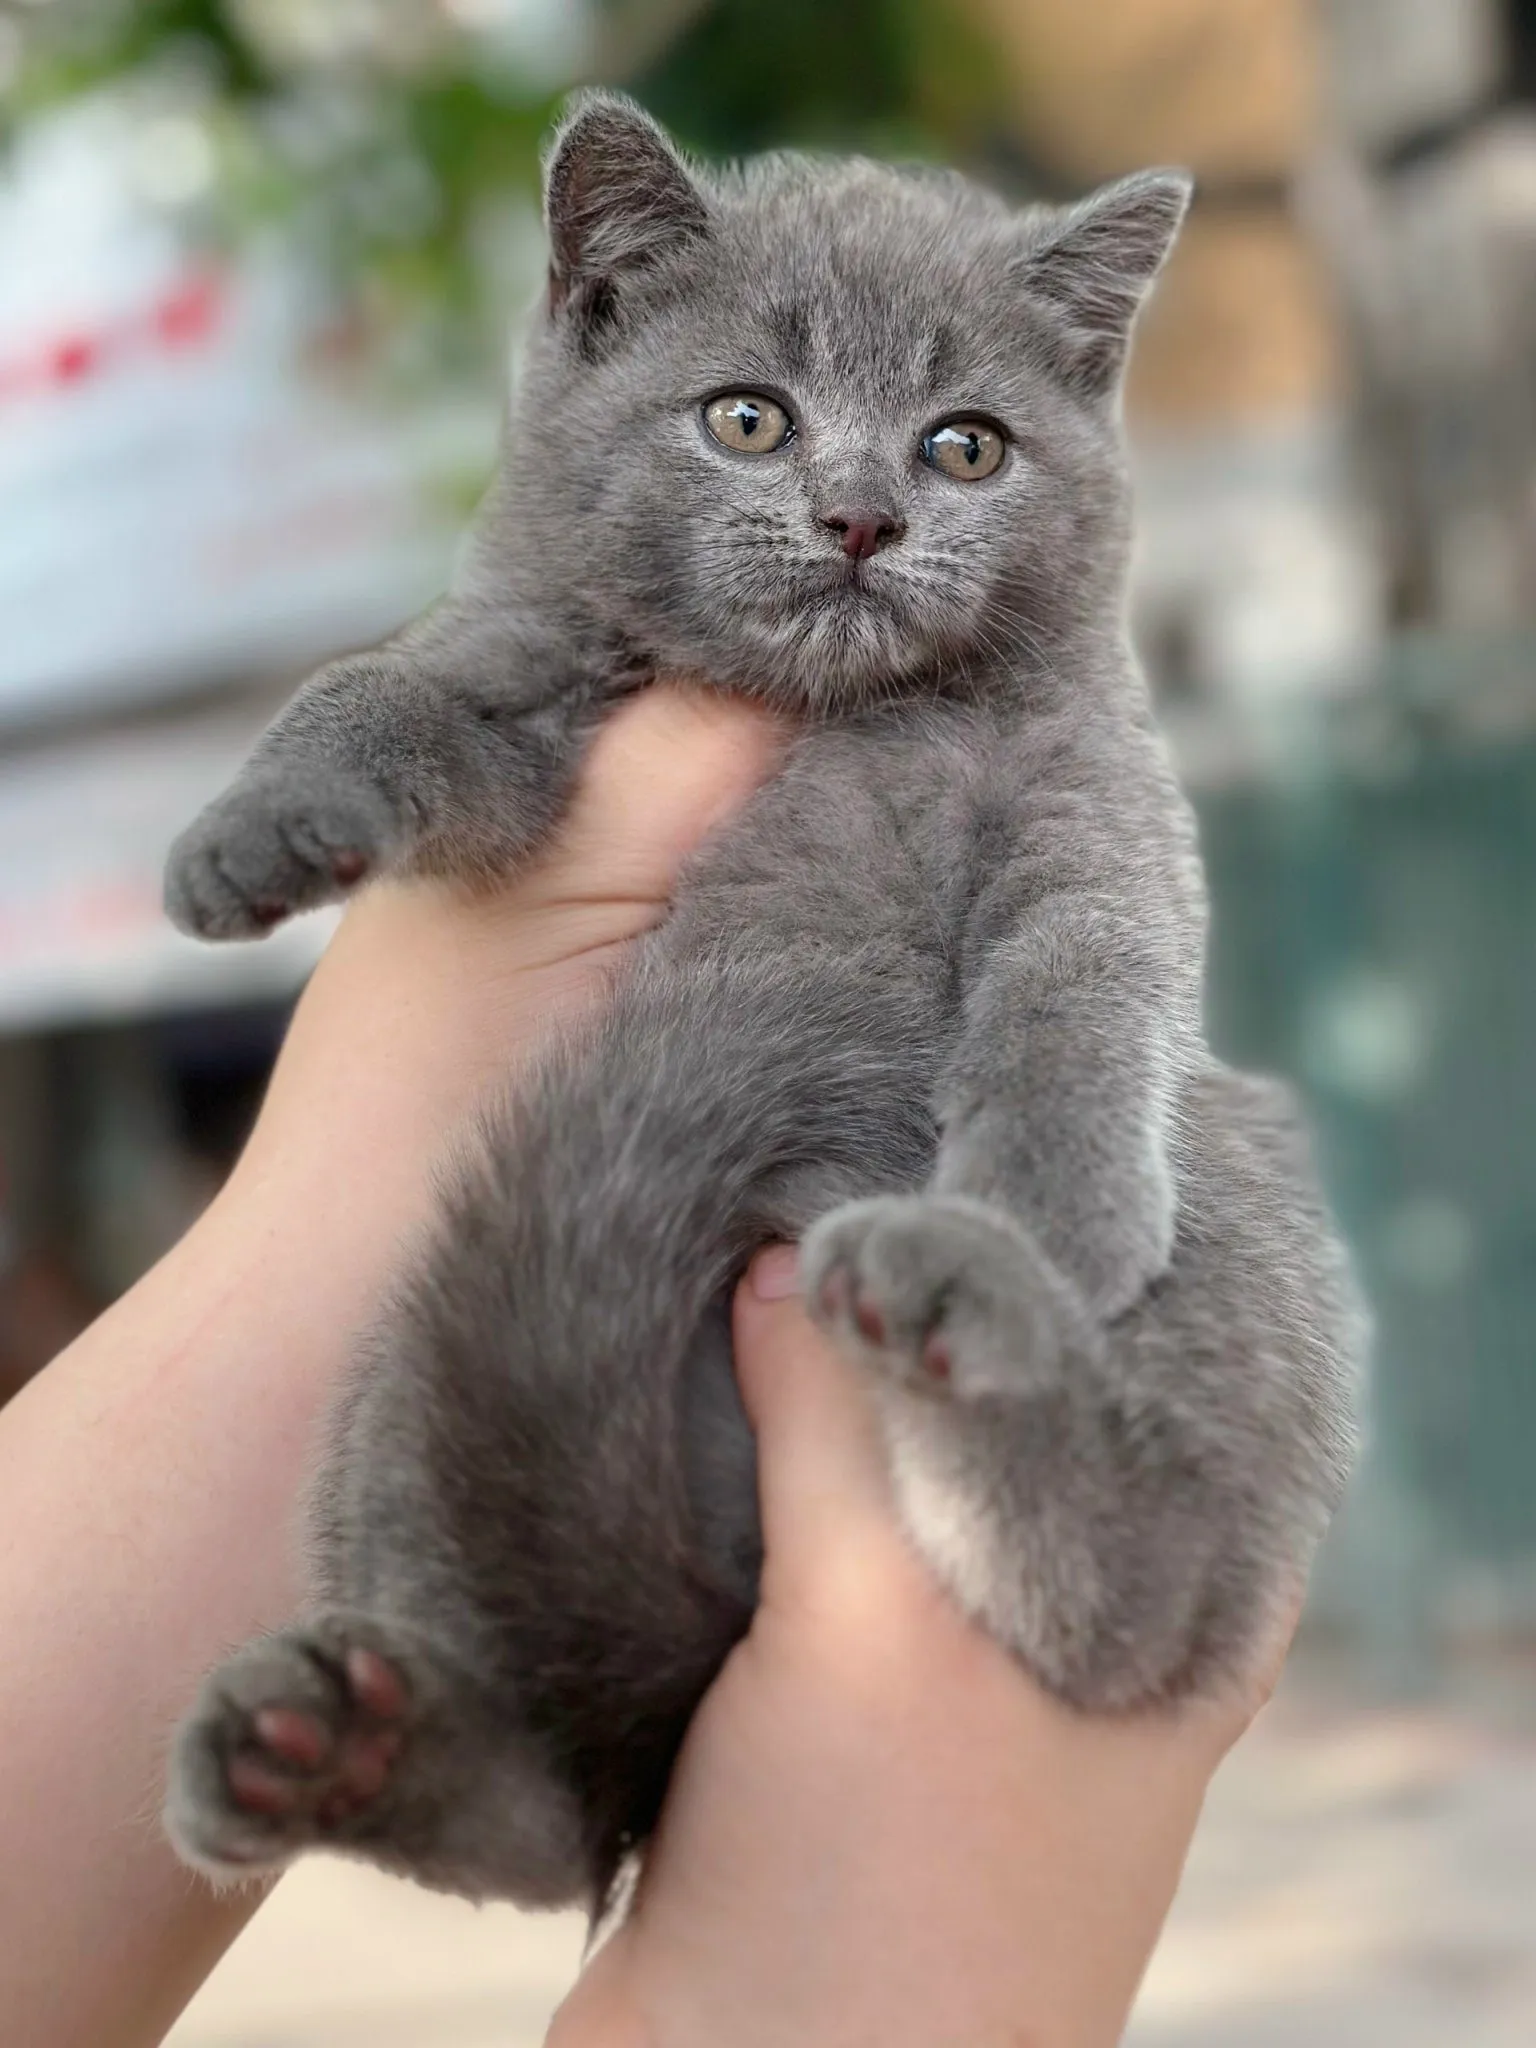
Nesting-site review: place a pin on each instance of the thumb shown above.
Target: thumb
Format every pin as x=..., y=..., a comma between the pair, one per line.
x=821, y=1464
x=664, y=770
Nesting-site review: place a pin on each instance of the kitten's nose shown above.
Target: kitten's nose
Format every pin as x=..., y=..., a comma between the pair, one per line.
x=862, y=531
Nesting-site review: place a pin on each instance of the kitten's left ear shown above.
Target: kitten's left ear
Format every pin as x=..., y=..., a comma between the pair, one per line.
x=618, y=200
x=1095, y=263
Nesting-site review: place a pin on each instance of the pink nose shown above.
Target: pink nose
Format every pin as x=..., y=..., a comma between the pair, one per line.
x=862, y=532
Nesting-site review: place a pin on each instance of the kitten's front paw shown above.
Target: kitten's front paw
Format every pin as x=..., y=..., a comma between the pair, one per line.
x=272, y=845
x=942, y=1294
x=291, y=1744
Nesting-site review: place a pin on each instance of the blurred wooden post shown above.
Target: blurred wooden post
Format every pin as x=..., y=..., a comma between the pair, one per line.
x=1243, y=326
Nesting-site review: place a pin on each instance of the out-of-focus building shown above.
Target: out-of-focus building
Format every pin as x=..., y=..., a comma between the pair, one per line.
x=1258, y=575
x=199, y=500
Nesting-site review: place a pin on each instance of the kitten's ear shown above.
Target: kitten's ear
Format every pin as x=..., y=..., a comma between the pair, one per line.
x=1094, y=264
x=618, y=201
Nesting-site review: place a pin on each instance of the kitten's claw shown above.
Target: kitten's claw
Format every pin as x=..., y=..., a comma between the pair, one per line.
x=270, y=846
x=942, y=1294
x=290, y=1745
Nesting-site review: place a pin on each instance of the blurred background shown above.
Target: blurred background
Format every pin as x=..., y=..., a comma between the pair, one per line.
x=257, y=263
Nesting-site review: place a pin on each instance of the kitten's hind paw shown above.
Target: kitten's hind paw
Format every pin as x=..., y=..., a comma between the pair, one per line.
x=943, y=1294
x=292, y=1744
x=272, y=845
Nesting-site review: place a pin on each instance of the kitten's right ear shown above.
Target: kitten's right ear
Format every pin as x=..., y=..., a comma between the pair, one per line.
x=618, y=201
x=1091, y=265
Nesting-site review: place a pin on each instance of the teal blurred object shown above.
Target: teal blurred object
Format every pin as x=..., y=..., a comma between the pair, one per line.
x=1375, y=939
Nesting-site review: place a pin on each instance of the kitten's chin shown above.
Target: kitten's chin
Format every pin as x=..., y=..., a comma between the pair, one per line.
x=853, y=646
x=815, y=648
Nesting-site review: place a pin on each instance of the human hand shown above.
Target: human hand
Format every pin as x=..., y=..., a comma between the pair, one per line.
x=152, y=1474
x=428, y=997
x=879, y=1829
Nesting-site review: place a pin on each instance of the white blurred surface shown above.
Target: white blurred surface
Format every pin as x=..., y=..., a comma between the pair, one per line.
x=342, y=1957
x=1361, y=1880
x=84, y=828
x=190, y=489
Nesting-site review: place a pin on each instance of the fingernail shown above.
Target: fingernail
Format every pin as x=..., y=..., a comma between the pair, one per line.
x=775, y=1273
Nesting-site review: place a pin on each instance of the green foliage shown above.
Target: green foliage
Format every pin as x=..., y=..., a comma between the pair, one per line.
x=381, y=168
x=386, y=157
x=894, y=77
x=75, y=46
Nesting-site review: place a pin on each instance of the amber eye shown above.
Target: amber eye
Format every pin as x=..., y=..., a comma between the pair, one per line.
x=966, y=449
x=747, y=422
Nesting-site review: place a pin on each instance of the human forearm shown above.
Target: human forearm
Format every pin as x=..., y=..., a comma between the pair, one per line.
x=151, y=1476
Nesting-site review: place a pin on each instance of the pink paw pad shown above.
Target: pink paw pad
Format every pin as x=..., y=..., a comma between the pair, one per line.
x=362, y=1772
x=869, y=1321
x=296, y=1737
x=258, y=1789
x=315, y=1768
x=937, y=1362
x=376, y=1684
x=832, y=1296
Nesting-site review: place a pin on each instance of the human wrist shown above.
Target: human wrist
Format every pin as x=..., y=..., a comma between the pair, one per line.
x=880, y=1825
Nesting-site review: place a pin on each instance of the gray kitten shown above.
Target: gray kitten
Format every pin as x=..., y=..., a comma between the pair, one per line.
x=844, y=439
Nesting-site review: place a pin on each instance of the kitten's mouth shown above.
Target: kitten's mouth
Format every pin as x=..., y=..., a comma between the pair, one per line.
x=850, y=578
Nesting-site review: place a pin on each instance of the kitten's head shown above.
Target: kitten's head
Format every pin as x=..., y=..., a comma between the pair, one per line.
x=819, y=429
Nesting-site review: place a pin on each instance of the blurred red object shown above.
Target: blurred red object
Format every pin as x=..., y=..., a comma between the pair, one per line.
x=183, y=317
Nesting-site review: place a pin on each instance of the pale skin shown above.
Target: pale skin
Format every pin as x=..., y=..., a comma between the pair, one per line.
x=879, y=1829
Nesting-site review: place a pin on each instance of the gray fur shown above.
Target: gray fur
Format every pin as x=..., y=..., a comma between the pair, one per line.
x=930, y=1002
